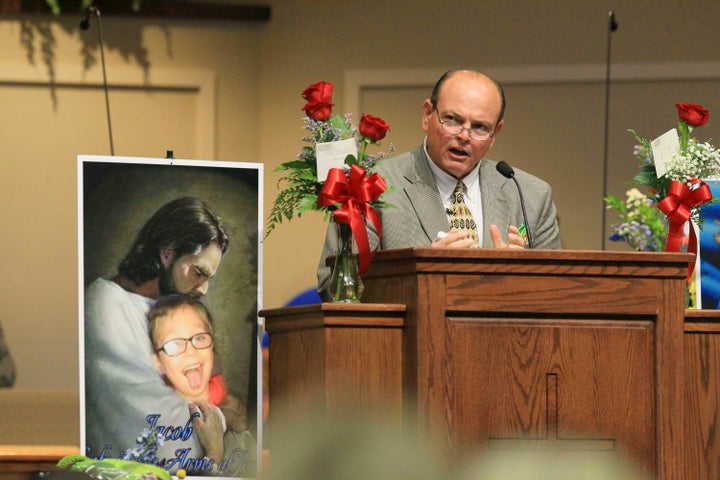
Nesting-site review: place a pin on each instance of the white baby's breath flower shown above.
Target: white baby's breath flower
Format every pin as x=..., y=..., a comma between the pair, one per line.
x=700, y=160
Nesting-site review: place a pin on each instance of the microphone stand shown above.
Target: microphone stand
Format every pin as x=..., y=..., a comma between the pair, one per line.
x=612, y=26
x=85, y=24
x=522, y=206
x=507, y=171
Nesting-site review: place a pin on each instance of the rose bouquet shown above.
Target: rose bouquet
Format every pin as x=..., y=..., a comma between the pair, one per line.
x=347, y=193
x=673, y=167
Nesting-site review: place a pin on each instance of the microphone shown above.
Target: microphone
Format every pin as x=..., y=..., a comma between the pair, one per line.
x=85, y=22
x=613, y=25
x=508, y=172
x=89, y=12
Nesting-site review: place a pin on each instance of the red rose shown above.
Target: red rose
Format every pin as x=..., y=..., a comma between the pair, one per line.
x=318, y=110
x=320, y=91
x=318, y=96
x=373, y=128
x=693, y=114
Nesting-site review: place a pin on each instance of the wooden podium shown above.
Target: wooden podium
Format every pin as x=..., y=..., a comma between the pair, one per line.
x=503, y=350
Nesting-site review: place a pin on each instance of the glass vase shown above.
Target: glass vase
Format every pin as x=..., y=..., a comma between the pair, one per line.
x=345, y=285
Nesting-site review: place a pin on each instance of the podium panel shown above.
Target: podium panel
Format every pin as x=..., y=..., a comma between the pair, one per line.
x=507, y=350
x=702, y=393
x=332, y=358
x=516, y=384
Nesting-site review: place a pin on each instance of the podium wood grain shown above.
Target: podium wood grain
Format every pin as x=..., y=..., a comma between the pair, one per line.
x=336, y=358
x=529, y=349
x=702, y=393
x=25, y=461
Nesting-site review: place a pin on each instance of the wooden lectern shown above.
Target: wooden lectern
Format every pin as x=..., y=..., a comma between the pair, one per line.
x=504, y=350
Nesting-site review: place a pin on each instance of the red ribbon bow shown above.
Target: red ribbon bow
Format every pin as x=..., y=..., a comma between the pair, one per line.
x=354, y=196
x=678, y=205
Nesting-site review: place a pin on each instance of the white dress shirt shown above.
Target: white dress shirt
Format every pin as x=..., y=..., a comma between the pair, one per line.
x=446, y=185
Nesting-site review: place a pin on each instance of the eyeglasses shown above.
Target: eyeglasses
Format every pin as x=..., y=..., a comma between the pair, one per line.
x=452, y=126
x=176, y=346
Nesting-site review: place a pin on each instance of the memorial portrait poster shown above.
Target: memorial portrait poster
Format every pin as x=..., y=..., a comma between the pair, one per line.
x=180, y=240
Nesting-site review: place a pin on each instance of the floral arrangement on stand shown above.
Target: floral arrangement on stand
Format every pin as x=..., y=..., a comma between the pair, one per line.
x=643, y=224
x=347, y=196
x=672, y=168
x=674, y=183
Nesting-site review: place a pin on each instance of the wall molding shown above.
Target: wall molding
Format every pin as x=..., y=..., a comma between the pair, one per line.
x=357, y=80
x=203, y=82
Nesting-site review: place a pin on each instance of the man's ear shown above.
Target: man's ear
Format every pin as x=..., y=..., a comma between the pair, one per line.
x=167, y=255
x=498, y=128
x=428, y=110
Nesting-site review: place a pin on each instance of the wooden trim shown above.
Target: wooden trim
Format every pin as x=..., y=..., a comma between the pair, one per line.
x=326, y=315
x=702, y=321
x=169, y=9
x=358, y=80
x=530, y=262
x=33, y=458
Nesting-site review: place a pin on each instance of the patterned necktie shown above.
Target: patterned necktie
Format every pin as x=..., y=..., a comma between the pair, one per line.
x=461, y=218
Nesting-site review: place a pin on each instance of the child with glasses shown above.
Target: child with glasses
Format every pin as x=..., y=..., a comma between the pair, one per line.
x=182, y=338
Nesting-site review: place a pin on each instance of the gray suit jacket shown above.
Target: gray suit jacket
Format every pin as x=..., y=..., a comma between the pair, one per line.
x=418, y=213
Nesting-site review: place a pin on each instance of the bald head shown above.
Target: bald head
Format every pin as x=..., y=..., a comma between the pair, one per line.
x=470, y=72
x=468, y=99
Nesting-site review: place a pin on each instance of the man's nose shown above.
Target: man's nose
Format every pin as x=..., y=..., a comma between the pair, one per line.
x=464, y=133
x=202, y=288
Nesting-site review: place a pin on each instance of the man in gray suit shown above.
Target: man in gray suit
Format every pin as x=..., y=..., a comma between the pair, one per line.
x=462, y=119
